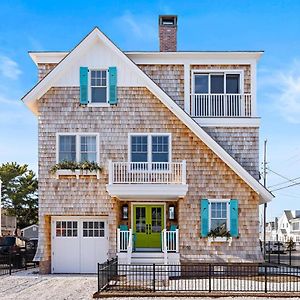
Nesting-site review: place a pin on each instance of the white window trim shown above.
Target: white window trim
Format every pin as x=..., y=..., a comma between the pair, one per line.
x=219, y=71
x=149, y=144
x=95, y=104
x=227, y=201
x=78, y=135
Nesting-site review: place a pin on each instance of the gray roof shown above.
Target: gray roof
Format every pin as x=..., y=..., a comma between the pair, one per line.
x=289, y=214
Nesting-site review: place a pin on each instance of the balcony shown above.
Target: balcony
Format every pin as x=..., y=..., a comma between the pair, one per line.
x=128, y=180
x=222, y=105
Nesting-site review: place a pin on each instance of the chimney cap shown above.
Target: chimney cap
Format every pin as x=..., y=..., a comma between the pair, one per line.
x=167, y=20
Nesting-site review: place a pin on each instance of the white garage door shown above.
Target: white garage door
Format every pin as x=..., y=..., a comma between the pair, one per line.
x=78, y=244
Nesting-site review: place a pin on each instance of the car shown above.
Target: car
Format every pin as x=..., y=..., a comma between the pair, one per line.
x=20, y=249
x=275, y=247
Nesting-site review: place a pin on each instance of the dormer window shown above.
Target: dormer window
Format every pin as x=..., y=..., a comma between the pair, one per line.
x=98, y=86
x=216, y=83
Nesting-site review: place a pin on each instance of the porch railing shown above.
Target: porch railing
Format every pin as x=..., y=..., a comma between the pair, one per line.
x=170, y=241
x=221, y=105
x=153, y=173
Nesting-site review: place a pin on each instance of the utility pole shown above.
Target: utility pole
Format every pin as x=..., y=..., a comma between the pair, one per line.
x=265, y=185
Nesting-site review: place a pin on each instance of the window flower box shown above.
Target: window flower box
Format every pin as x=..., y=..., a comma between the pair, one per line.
x=220, y=239
x=77, y=173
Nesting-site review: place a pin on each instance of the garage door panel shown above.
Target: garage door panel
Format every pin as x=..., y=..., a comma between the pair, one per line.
x=66, y=241
x=94, y=245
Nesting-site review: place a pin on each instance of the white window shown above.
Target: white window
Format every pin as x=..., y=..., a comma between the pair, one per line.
x=150, y=148
x=296, y=226
x=77, y=147
x=98, y=86
x=219, y=216
x=66, y=228
x=93, y=229
x=217, y=83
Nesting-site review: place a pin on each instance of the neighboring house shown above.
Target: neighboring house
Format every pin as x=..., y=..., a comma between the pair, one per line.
x=8, y=225
x=177, y=137
x=271, y=231
x=31, y=232
x=289, y=226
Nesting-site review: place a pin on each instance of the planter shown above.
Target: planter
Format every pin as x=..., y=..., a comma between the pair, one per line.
x=220, y=239
x=77, y=173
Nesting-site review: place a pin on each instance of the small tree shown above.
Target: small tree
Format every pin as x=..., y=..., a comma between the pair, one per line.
x=19, y=193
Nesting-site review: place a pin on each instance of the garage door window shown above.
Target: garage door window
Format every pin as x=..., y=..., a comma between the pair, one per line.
x=66, y=228
x=93, y=229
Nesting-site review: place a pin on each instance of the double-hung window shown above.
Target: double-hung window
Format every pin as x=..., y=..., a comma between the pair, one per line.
x=98, y=86
x=219, y=216
x=217, y=83
x=77, y=147
x=150, y=151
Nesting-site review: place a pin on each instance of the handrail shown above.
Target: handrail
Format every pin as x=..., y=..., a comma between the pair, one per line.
x=147, y=173
x=222, y=105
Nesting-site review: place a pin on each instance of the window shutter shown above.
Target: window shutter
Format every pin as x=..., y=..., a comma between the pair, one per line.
x=112, y=71
x=83, y=85
x=204, y=217
x=234, y=218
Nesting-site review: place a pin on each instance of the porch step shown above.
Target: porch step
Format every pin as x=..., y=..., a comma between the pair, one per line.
x=147, y=258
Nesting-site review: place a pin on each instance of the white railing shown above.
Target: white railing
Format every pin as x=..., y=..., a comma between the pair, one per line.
x=124, y=242
x=123, y=238
x=172, y=241
x=221, y=105
x=137, y=172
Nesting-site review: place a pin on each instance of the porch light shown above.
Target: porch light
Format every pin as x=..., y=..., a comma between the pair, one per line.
x=125, y=212
x=171, y=212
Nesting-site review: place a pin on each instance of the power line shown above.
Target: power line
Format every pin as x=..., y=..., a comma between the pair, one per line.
x=284, y=182
x=285, y=187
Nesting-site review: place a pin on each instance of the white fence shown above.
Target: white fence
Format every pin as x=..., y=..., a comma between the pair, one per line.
x=139, y=172
x=221, y=105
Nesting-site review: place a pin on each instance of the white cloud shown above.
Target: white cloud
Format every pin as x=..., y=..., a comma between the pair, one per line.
x=140, y=26
x=284, y=91
x=9, y=68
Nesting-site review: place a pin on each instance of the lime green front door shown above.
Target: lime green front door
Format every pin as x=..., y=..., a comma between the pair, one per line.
x=148, y=222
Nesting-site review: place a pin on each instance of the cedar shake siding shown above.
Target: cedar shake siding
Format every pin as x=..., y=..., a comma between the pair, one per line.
x=44, y=69
x=137, y=111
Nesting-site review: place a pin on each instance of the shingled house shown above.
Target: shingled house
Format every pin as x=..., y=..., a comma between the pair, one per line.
x=148, y=156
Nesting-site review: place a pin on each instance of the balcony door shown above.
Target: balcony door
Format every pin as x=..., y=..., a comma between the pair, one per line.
x=148, y=223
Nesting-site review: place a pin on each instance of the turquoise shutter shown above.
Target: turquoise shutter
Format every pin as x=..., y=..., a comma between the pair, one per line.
x=204, y=217
x=234, y=218
x=83, y=85
x=112, y=71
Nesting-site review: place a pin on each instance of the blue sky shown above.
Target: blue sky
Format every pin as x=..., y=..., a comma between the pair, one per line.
x=267, y=25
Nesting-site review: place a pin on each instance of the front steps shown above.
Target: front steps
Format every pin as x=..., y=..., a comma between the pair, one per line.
x=147, y=258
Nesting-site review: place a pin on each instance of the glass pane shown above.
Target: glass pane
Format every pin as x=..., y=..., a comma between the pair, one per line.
x=219, y=224
x=67, y=148
x=101, y=233
x=156, y=219
x=201, y=84
x=139, y=149
x=140, y=219
x=160, y=148
x=232, y=83
x=75, y=232
x=217, y=84
x=88, y=150
x=85, y=232
x=84, y=224
x=98, y=95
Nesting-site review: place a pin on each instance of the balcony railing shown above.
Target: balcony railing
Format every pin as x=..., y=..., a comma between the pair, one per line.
x=221, y=105
x=147, y=173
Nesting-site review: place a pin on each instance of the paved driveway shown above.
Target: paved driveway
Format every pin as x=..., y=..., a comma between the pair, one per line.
x=31, y=286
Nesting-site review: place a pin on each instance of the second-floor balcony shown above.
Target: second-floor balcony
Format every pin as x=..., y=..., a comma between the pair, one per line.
x=147, y=179
x=222, y=105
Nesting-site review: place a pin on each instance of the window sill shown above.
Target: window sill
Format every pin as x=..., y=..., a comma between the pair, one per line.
x=219, y=239
x=77, y=173
x=98, y=105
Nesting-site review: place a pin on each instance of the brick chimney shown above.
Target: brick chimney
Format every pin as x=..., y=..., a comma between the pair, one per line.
x=167, y=33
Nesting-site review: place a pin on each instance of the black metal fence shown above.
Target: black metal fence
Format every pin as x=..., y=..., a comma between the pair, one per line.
x=279, y=253
x=14, y=262
x=201, y=277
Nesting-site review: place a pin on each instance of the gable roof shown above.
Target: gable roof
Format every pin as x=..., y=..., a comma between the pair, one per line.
x=31, y=98
x=30, y=226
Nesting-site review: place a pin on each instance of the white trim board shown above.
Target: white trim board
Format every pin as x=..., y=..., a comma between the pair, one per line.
x=45, y=84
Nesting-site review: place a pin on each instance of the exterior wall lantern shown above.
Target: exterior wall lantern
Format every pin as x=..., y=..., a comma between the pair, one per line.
x=171, y=212
x=125, y=212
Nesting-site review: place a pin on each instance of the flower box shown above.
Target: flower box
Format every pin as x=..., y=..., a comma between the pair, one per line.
x=77, y=173
x=220, y=239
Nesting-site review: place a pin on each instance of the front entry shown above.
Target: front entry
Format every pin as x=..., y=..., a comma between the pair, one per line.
x=148, y=223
